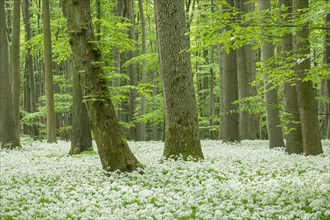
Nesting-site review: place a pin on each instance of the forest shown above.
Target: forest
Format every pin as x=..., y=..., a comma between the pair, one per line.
x=165, y=109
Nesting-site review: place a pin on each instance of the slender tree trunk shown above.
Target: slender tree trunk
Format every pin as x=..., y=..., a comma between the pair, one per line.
x=81, y=138
x=117, y=56
x=294, y=143
x=246, y=70
x=132, y=71
x=306, y=98
x=275, y=134
x=9, y=136
x=211, y=107
x=29, y=63
x=221, y=96
x=181, y=125
x=230, y=123
x=112, y=146
x=144, y=72
x=15, y=64
x=327, y=62
x=49, y=86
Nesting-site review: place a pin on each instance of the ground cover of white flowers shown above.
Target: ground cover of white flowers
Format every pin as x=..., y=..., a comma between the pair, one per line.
x=242, y=181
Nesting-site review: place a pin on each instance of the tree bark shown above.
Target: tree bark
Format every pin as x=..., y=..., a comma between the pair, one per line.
x=81, y=137
x=230, y=125
x=29, y=63
x=112, y=146
x=275, y=134
x=132, y=72
x=246, y=71
x=49, y=85
x=9, y=136
x=144, y=72
x=15, y=63
x=294, y=143
x=306, y=98
x=181, y=126
x=327, y=62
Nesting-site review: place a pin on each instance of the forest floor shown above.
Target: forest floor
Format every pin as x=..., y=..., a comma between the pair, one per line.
x=235, y=181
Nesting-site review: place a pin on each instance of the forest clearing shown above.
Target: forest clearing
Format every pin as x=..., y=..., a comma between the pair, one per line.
x=235, y=181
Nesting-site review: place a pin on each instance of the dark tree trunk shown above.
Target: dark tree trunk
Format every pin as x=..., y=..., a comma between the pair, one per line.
x=181, y=126
x=81, y=138
x=112, y=146
x=9, y=136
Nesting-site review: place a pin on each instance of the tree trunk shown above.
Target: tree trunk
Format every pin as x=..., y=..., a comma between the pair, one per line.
x=112, y=146
x=9, y=136
x=306, y=98
x=181, y=126
x=327, y=62
x=49, y=86
x=81, y=138
x=211, y=107
x=144, y=72
x=15, y=64
x=294, y=143
x=117, y=56
x=132, y=72
x=246, y=70
x=275, y=134
x=230, y=125
x=29, y=62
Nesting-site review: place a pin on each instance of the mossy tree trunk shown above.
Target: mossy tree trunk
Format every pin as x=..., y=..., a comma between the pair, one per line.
x=181, y=127
x=81, y=137
x=112, y=146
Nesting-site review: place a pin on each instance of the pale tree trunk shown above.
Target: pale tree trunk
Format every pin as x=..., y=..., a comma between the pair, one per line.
x=181, y=125
x=327, y=62
x=230, y=125
x=49, y=85
x=9, y=136
x=144, y=72
x=98, y=17
x=211, y=107
x=246, y=71
x=15, y=63
x=306, y=98
x=112, y=146
x=275, y=134
x=221, y=96
x=294, y=143
x=81, y=138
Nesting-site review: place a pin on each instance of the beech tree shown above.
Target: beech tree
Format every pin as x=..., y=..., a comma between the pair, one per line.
x=306, y=99
x=294, y=143
x=9, y=135
x=181, y=128
x=15, y=63
x=112, y=146
x=49, y=85
x=275, y=134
